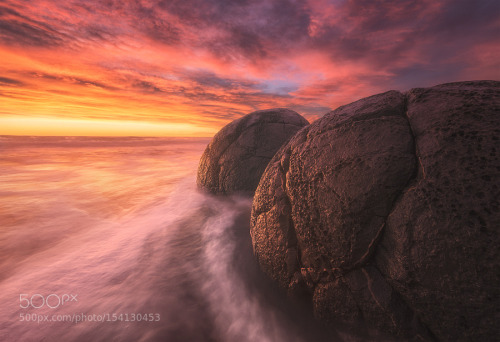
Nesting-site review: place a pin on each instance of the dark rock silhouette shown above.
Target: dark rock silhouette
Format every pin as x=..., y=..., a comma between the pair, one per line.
x=386, y=211
x=238, y=154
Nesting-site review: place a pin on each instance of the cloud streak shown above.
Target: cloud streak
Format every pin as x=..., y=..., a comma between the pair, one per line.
x=205, y=62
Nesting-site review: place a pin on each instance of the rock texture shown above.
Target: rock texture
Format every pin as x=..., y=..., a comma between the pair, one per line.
x=238, y=154
x=387, y=211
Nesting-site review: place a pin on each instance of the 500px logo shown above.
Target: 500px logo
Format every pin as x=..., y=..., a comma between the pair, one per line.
x=37, y=301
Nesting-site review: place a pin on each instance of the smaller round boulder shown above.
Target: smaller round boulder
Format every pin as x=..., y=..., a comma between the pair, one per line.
x=238, y=154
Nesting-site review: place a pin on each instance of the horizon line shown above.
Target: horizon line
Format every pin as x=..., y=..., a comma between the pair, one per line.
x=103, y=136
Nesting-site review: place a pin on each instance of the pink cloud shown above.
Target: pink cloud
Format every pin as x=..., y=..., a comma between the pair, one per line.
x=208, y=62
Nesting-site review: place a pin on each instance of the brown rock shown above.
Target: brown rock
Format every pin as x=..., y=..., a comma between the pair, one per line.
x=387, y=211
x=238, y=154
x=440, y=246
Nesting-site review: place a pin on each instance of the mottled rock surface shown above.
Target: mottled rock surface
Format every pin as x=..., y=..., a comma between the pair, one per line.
x=386, y=211
x=235, y=159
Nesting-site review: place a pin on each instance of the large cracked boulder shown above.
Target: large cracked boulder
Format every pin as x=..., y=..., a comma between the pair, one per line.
x=235, y=159
x=386, y=211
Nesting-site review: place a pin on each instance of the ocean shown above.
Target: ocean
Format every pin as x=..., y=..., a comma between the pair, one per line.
x=108, y=239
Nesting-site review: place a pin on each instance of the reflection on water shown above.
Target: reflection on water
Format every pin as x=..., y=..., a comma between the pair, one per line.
x=58, y=187
x=117, y=225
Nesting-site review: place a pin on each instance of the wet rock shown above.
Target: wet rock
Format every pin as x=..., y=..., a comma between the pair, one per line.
x=387, y=211
x=238, y=154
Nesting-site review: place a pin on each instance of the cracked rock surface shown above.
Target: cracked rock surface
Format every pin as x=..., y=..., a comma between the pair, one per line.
x=235, y=159
x=386, y=211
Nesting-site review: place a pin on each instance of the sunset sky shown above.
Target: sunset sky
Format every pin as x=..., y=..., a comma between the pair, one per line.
x=188, y=67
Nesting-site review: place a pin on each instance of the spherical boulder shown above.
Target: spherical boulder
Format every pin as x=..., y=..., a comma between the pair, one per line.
x=235, y=159
x=386, y=211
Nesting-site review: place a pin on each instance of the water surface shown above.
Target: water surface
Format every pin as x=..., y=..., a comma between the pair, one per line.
x=116, y=229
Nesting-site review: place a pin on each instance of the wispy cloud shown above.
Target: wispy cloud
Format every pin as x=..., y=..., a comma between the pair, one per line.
x=206, y=62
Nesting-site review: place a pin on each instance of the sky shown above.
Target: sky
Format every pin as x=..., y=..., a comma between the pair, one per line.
x=189, y=67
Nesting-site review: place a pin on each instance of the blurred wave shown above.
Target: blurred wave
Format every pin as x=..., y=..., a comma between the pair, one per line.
x=119, y=224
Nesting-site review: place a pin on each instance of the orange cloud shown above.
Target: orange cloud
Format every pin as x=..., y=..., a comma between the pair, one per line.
x=189, y=67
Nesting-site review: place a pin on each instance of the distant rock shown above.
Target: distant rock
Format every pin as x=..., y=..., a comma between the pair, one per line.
x=386, y=211
x=238, y=154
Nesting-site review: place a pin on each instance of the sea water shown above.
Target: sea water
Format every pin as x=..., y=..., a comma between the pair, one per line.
x=108, y=239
